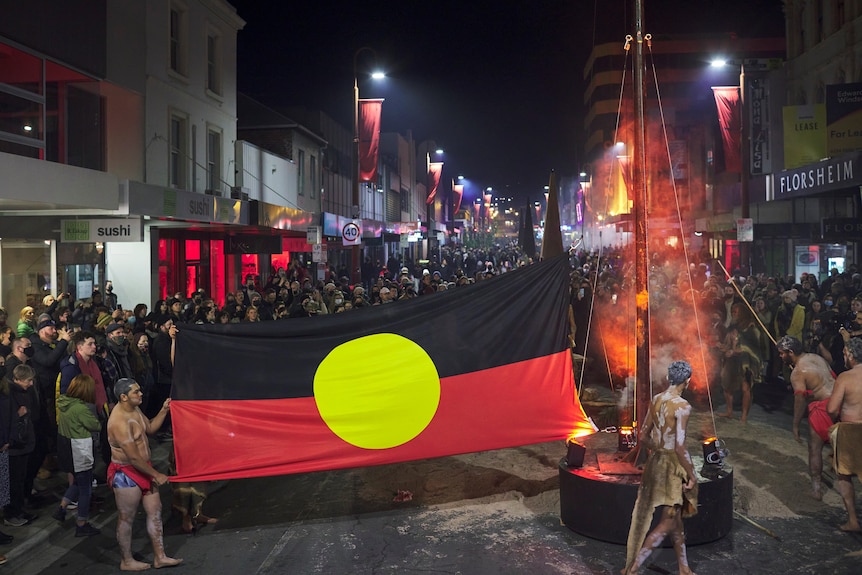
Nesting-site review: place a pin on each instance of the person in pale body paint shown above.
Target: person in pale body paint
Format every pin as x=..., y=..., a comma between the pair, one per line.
x=669, y=479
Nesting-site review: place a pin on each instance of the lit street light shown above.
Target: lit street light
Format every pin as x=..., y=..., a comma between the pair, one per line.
x=355, y=272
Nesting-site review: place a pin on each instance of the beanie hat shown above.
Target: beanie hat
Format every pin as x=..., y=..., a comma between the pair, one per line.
x=791, y=293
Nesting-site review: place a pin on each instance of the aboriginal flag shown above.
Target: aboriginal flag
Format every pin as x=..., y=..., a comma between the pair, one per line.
x=473, y=368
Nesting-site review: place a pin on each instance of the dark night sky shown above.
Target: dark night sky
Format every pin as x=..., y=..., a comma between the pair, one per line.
x=497, y=84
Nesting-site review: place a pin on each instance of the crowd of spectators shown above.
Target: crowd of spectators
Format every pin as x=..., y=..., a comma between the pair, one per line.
x=738, y=318
x=56, y=340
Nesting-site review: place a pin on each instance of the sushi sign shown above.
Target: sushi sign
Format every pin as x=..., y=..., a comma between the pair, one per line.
x=101, y=230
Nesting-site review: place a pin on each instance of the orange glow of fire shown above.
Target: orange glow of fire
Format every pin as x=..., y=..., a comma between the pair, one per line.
x=643, y=300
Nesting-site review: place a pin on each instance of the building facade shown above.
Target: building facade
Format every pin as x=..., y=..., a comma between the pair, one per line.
x=796, y=100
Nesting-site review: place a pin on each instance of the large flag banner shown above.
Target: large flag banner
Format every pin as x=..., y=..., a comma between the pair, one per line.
x=727, y=103
x=435, y=170
x=481, y=367
x=457, y=196
x=369, y=138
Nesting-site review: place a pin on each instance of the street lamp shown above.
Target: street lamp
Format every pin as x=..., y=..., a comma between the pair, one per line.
x=355, y=272
x=745, y=160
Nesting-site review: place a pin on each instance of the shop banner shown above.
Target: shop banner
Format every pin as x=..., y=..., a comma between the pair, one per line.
x=843, y=118
x=101, y=230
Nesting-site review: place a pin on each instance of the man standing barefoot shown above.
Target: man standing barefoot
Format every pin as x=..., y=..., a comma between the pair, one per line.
x=131, y=474
x=669, y=480
x=846, y=404
x=812, y=381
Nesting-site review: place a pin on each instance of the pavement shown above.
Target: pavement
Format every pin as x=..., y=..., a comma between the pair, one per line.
x=473, y=514
x=41, y=535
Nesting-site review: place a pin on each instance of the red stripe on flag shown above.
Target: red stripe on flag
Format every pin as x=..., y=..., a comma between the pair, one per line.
x=527, y=402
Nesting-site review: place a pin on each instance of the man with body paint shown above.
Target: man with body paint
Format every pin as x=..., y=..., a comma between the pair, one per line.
x=669, y=480
x=812, y=381
x=846, y=405
x=132, y=476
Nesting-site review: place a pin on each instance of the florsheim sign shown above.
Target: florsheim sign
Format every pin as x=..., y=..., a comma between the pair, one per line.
x=101, y=230
x=826, y=176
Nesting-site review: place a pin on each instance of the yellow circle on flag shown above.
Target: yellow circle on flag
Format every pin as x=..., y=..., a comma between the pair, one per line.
x=377, y=391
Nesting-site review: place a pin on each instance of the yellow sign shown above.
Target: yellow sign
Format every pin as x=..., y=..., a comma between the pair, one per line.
x=804, y=135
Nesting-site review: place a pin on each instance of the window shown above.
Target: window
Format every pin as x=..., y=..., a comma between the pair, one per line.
x=178, y=40
x=213, y=160
x=177, y=164
x=313, y=169
x=214, y=64
x=300, y=173
x=48, y=111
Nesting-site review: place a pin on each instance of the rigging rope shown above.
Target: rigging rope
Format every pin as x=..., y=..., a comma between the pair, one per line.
x=595, y=281
x=680, y=222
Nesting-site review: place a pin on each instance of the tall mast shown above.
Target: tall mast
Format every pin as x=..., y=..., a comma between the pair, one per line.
x=639, y=181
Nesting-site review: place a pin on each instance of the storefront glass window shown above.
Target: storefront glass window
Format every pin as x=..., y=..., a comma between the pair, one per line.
x=217, y=272
x=250, y=267
x=193, y=266
x=167, y=261
x=26, y=278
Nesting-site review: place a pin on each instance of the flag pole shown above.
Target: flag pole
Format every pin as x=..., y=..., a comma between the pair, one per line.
x=642, y=392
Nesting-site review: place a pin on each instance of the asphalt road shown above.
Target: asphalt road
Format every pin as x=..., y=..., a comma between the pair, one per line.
x=468, y=516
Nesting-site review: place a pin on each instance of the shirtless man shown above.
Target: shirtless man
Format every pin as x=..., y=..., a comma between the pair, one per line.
x=846, y=405
x=669, y=480
x=132, y=476
x=812, y=382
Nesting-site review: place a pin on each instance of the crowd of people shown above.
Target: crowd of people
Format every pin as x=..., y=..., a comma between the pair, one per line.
x=795, y=334
x=740, y=318
x=68, y=370
x=66, y=366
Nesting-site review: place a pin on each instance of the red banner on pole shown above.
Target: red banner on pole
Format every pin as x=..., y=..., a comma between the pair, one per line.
x=435, y=169
x=457, y=195
x=369, y=138
x=729, y=120
x=626, y=171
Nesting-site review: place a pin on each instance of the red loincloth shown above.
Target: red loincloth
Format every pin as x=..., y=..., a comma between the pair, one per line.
x=144, y=482
x=819, y=420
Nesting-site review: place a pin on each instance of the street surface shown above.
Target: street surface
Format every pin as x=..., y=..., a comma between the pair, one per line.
x=491, y=512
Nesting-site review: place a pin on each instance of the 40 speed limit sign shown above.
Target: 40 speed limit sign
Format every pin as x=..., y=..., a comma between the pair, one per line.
x=351, y=234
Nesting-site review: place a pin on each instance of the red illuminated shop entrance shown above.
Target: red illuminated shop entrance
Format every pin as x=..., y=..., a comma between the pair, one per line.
x=214, y=262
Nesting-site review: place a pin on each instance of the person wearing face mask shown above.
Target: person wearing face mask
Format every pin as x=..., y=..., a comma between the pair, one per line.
x=7, y=334
x=22, y=351
x=116, y=364
x=249, y=291
x=827, y=314
x=142, y=366
x=18, y=399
